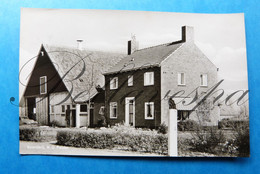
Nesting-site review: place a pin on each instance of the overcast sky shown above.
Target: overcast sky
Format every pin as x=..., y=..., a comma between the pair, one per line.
x=220, y=36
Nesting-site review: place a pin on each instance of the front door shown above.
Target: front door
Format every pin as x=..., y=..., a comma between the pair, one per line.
x=73, y=117
x=130, y=111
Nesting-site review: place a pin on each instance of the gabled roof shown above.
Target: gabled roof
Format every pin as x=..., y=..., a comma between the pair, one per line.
x=69, y=63
x=147, y=57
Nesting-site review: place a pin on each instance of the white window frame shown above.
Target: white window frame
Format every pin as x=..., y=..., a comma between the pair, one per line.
x=111, y=83
x=45, y=84
x=83, y=112
x=130, y=80
x=204, y=80
x=52, y=109
x=145, y=111
x=146, y=75
x=111, y=104
x=64, y=108
x=102, y=110
x=180, y=77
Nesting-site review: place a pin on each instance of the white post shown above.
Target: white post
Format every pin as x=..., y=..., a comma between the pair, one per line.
x=77, y=116
x=172, y=134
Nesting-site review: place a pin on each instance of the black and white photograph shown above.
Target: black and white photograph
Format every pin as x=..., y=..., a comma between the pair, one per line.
x=133, y=83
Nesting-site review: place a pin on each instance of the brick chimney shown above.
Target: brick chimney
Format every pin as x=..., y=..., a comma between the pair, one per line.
x=187, y=34
x=79, y=42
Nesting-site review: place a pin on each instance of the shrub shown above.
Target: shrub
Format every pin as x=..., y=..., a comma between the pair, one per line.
x=232, y=124
x=207, y=141
x=55, y=123
x=242, y=139
x=36, y=134
x=29, y=134
x=162, y=128
x=188, y=125
x=121, y=137
x=86, y=139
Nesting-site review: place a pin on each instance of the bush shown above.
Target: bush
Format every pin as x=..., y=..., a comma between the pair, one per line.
x=232, y=124
x=36, y=134
x=242, y=140
x=55, y=123
x=121, y=137
x=30, y=134
x=207, y=141
x=162, y=128
x=95, y=139
x=188, y=125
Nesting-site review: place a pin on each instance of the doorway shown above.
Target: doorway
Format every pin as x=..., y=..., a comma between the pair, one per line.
x=130, y=111
x=31, y=108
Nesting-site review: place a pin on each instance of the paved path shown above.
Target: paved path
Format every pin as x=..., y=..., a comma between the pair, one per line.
x=50, y=148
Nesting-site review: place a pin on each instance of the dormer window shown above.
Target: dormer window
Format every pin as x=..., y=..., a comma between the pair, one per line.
x=43, y=85
x=181, y=79
x=114, y=83
x=203, y=80
x=42, y=53
x=148, y=78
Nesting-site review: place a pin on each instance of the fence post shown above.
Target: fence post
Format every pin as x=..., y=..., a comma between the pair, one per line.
x=172, y=130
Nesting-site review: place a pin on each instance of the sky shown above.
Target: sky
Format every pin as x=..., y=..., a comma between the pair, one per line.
x=221, y=37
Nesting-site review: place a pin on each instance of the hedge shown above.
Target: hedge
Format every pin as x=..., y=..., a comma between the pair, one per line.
x=36, y=134
x=100, y=140
x=188, y=125
x=232, y=124
x=30, y=134
x=132, y=140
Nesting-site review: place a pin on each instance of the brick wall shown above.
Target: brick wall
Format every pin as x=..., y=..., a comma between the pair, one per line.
x=191, y=61
x=141, y=93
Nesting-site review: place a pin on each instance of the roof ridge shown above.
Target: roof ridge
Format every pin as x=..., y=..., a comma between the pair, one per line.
x=168, y=43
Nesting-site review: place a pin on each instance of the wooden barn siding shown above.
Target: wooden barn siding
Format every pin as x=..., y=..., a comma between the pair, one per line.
x=149, y=93
x=42, y=110
x=44, y=67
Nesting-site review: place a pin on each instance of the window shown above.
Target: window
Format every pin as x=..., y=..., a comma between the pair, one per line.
x=181, y=78
x=149, y=110
x=102, y=110
x=43, y=85
x=148, y=78
x=63, y=108
x=83, y=108
x=130, y=80
x=52, y=109
x=183, y=115
x=114, y=83
x=113, y=110
x=203, y=80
